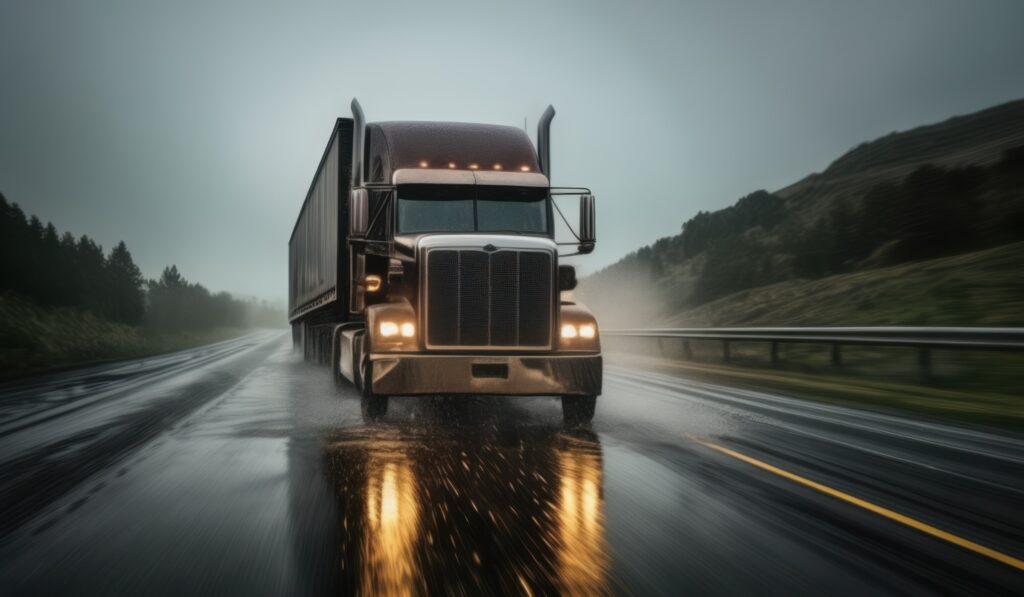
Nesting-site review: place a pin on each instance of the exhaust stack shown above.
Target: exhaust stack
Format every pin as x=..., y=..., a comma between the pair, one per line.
x=358, y=141
x=544, y=141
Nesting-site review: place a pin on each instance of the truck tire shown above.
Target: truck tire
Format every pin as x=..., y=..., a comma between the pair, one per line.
x=374, y=406
x=578, y=410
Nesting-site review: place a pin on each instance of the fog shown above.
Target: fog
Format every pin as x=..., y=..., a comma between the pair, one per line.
x=191, y=131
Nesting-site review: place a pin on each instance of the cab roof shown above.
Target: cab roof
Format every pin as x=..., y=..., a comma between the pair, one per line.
x=451, y=145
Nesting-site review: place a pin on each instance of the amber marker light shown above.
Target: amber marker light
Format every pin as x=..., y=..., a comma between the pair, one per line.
x=524, y=168
x=451, y=165
x=497, y=166
x=372, y=283
x=424, y=163
x=474, y=166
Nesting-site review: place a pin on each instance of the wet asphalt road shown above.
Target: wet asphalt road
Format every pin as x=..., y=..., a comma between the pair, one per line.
x=239, y=469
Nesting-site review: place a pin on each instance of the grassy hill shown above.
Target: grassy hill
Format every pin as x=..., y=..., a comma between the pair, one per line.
x=978, y=288
x=856, y=243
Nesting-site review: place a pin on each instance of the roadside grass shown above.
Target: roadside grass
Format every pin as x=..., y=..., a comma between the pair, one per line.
x=973, y=388
x=34, y=339
x=982, y=288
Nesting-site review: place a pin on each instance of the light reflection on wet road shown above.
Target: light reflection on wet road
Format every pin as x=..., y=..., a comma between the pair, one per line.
x=466, y=509
x=242, y=470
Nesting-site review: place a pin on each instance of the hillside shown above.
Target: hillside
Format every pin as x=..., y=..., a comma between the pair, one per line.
x=978, y=288
x=936, y=191
x=978, y=139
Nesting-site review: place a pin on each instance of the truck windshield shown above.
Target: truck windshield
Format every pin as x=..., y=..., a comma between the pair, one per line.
x=441, y=208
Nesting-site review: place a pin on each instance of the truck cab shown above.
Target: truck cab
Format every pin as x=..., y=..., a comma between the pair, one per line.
x=454, y=285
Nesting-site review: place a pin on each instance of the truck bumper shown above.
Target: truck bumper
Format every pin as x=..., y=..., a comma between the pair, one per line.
x=513, y=375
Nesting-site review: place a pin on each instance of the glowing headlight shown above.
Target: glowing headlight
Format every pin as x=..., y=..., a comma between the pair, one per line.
x=587, y=331
x=388, y=329
x=408, y=330
x=568, y=330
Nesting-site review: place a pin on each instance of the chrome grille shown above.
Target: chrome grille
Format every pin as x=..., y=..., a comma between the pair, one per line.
x=488, y=299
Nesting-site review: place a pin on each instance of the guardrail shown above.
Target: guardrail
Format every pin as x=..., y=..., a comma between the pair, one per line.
x=925, y=339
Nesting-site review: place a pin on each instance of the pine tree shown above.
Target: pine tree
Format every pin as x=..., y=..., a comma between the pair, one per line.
x=126, y=298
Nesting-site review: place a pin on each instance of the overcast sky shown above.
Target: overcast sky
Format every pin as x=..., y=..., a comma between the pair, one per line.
x=191, y=129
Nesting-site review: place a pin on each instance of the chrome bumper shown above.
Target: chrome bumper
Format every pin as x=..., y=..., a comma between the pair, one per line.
x=520, y=375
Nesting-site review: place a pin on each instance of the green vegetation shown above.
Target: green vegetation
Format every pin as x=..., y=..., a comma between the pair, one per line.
x=924, y=227
x=64, y=301
x=54, y=270
x=903, y=201
x=37, y=339
x=998, y=404
x=978, y=288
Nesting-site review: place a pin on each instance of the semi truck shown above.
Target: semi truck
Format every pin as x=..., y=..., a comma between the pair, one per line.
x=424, y=261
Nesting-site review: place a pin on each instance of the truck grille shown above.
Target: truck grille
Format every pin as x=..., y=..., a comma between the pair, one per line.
x=480, y=299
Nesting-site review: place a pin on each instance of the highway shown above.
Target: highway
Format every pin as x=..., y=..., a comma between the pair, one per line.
x=239, y=469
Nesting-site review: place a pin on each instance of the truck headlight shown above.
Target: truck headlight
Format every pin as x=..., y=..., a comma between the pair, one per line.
x=578, y=336
x=586, y=331
x=390, y=329
x=394, y=335
x=578, y=330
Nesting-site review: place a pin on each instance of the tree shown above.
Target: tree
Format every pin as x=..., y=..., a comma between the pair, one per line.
x=126, y=297
x=90, y=276
x=54, y=269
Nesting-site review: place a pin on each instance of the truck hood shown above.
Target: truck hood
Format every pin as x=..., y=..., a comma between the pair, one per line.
x=411, y=244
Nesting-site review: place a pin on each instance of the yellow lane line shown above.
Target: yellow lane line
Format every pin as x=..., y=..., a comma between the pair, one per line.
x=887, y=513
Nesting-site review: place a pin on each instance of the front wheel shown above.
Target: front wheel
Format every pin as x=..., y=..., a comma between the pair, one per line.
x=578, y=410
x=374, y=406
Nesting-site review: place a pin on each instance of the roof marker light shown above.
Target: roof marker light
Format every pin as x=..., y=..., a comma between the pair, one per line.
x=497, y=166
x=474, y=166
x=524, y=168
x=451, y=164
x=424, y=163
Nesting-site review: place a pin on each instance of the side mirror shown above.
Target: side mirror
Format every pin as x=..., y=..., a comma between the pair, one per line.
x=358, y=213
x=588, y=224
x=566, y=277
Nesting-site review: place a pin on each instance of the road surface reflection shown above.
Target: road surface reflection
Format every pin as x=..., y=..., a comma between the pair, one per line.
x=468, y=508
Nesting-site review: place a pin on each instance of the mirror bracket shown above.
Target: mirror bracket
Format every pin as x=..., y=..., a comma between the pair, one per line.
x=587, y=236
